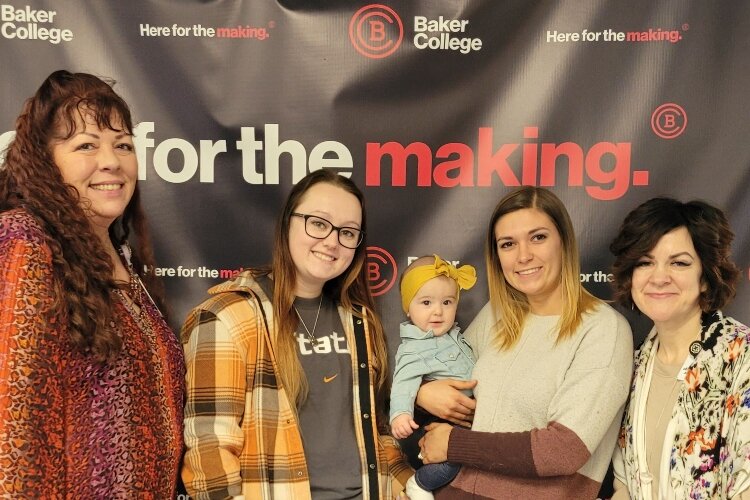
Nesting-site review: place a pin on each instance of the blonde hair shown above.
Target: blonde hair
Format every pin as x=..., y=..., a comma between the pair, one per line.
x=351, y=290
x=511, y=306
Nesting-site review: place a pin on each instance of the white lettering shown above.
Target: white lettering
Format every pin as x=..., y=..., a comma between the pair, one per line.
x=319, y=158
x=274, y=150
x=209, y=150
x=339, y=343
x=23, y=24
x=142, y=142
x=437, y=34
x=249, y=146
x=439, y=25
x=303, y=343
x=6, y=13
x=26, y=15
x=161, y=160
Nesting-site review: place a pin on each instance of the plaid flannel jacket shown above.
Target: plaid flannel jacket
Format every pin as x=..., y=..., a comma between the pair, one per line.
x=241, y=430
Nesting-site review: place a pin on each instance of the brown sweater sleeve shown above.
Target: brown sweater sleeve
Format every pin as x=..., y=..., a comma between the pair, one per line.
x=552, y=451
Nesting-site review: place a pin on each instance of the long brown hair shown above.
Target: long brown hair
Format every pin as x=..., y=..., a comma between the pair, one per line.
x=350, y=289
x=31, y=180
x=512, y=306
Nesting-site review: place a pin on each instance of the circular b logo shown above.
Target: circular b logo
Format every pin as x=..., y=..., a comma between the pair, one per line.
x=668, y=120
x=376, y=31
x=381, y=270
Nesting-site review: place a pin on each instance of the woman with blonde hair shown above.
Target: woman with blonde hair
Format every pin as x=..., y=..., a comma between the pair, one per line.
x=551, y=373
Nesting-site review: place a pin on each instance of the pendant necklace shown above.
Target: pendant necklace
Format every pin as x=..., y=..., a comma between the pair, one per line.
x=666, y=403
x=310, y=335
x=132, y=298
x=138, y=292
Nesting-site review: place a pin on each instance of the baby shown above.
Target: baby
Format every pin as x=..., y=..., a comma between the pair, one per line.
x=432, y=347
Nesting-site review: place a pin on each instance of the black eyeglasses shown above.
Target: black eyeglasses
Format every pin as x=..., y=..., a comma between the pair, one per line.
x=319, y=228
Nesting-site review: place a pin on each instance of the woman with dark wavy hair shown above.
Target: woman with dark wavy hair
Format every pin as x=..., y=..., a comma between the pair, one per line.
x=686, y=430
x=91, y=376
x=287, y=366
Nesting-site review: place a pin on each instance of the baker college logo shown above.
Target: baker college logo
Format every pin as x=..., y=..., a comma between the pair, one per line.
x=376, y=31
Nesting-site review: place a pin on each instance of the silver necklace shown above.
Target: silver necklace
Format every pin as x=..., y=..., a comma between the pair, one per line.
x=310, y=335
x=651, y=454
x=132, y=298
x=138, y=291
x=664, y=407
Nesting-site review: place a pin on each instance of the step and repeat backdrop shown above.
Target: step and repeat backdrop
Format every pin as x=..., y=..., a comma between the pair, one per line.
x=435, y=108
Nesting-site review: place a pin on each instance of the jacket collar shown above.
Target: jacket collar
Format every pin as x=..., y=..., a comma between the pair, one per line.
x=410, y=331
x=244, y=282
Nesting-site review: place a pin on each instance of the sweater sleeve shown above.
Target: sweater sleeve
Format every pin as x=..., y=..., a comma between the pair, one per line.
x=587, y=402
x=215, y=383
x=31, y=398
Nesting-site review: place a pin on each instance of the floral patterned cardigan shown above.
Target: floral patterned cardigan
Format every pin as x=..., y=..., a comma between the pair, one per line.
x=707, y=448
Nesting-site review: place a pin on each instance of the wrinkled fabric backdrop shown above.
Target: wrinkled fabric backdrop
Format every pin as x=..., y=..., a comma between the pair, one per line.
x=435, y=108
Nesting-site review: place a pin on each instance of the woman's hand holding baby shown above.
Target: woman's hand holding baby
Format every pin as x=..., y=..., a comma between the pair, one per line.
x=444, y=399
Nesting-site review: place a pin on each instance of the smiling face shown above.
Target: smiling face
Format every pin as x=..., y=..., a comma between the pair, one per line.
x=531, y=252
x=667, y=282
x=434, y=306
x=102, y=166
x=318, y=261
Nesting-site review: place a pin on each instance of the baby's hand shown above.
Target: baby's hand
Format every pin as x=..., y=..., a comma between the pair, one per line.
x=403, y=426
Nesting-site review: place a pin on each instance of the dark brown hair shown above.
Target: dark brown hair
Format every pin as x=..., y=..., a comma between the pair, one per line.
x=350, y=289
x=709, y=229
x=30, y=179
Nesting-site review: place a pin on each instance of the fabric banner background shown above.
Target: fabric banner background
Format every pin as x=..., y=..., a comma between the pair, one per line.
x=435, y=108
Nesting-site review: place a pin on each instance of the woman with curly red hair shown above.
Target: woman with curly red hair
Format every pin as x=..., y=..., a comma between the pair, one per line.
x=91, y=376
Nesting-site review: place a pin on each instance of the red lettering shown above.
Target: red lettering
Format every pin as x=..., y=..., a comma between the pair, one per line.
x=606, y=165
x=618, y=176
x=373, y=271
x=377, y=31
x=230, y=273
x=551, y=152
x=398, y=154
x=530, y=150
x=497, y=162
x=464, y=164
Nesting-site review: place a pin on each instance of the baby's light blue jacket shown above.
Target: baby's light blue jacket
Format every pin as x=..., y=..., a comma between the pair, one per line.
x=423, y=355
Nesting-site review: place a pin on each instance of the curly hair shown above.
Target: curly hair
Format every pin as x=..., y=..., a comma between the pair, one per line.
x=709, y=230
x=31, y=180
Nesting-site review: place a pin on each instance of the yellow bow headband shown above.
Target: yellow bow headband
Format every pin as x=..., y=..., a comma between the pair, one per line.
x=465, y=276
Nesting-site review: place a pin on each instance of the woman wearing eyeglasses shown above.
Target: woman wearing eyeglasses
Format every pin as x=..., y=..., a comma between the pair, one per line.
x=287, y=366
